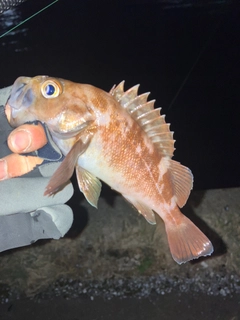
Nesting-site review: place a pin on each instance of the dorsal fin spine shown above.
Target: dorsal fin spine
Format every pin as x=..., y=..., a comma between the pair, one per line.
x=148, y=105
x=162, y=117
x=150, y=113
x=142, y=98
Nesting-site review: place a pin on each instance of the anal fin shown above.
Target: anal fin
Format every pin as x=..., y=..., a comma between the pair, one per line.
x=142, y=209
x=89, y=185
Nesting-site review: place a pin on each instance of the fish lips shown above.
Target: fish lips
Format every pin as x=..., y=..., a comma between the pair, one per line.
x=21, y=98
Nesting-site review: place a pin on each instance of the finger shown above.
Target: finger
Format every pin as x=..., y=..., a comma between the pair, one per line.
x=15, y=165
x=27, y=138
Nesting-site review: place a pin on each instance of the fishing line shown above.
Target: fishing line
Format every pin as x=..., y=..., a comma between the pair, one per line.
x=5, y=33
x=193, y=66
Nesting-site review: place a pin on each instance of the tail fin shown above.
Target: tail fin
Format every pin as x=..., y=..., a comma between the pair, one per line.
x=185, y=240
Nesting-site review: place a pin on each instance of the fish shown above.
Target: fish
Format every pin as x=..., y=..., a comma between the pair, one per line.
x=117, y=137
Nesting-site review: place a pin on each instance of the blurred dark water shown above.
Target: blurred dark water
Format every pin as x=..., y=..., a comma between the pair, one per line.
x=161, y=45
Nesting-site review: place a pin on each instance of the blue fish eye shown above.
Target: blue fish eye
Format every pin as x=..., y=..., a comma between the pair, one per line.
x=50, y=89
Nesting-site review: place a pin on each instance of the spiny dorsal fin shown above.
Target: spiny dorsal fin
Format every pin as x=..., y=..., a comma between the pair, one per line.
x=150, y=119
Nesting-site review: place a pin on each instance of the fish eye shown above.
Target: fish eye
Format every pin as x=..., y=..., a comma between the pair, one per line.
x=50, y=89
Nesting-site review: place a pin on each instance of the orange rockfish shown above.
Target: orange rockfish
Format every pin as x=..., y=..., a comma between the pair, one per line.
x=119, y=138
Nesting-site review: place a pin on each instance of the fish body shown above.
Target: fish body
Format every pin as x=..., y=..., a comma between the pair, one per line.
x=119, y=138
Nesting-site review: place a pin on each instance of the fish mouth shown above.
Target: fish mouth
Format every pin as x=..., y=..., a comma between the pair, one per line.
x=21, y=98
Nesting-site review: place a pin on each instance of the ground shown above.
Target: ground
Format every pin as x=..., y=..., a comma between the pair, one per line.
x=113, y=262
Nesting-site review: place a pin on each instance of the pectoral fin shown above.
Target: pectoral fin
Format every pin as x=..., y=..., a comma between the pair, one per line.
x=65, y=170
x=89, y=185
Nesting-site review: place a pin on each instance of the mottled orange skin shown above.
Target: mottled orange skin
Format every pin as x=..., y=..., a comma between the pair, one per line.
x=119, y=152
x=118, y=140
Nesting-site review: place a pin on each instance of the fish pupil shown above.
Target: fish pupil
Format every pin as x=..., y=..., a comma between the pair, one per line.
x=50, y=89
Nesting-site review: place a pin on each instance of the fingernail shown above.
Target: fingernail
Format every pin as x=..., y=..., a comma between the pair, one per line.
x=3, y=170
x=20, y=140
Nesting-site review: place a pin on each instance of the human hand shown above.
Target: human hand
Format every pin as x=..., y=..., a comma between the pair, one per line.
x=24, y=139
x=26, y=215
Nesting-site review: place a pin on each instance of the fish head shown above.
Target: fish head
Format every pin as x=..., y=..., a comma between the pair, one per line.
x=54, y=101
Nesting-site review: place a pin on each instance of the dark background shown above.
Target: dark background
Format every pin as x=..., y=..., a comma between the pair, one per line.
x=185, y=52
